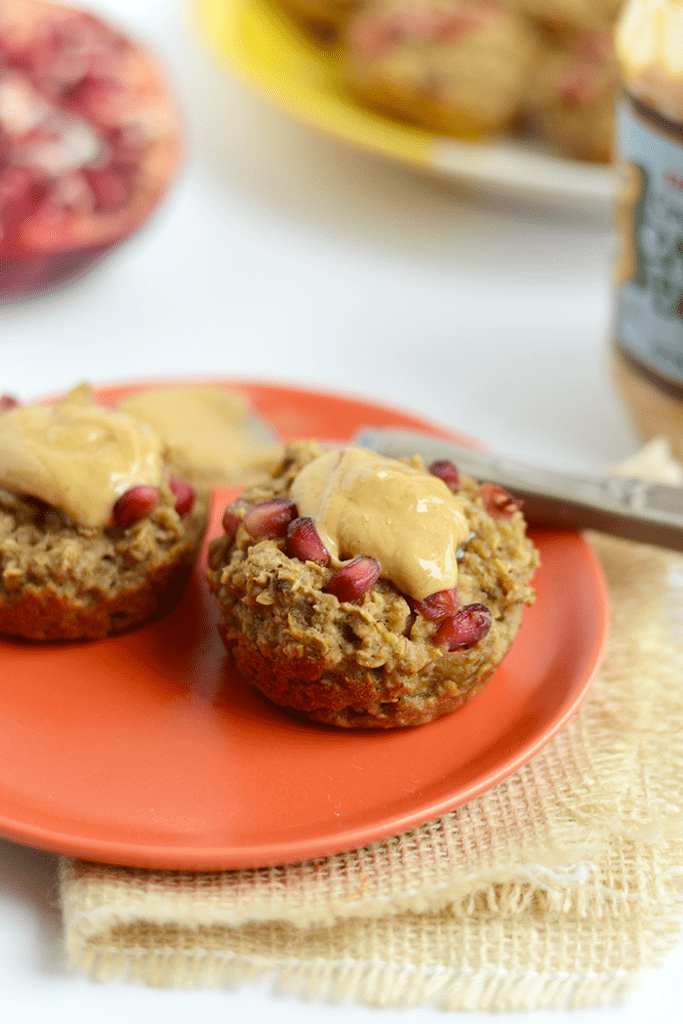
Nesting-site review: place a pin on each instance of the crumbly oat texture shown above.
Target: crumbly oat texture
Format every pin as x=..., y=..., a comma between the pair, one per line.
x=61, y=581
x=373, y=663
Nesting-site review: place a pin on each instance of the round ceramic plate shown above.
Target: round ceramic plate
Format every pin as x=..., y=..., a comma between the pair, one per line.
x=266, y=48
x=148, y=749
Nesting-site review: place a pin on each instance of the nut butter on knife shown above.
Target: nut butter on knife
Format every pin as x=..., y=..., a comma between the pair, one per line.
x=630, y=507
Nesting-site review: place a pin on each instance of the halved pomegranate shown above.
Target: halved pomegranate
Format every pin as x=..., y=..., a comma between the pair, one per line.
x=90, y=140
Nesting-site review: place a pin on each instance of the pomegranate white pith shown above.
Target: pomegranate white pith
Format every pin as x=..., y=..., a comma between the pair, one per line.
x=89, y=141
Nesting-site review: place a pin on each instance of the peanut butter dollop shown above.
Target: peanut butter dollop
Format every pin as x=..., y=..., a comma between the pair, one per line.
x=365, y=504
x=209, y=431
x=77, y=456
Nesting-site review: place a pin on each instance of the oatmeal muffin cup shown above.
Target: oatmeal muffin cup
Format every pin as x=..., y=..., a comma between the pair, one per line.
x=458, y=67
x=370, y=592
x=571, y=94
x=95, y=535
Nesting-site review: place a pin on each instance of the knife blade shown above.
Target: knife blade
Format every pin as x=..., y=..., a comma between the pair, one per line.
x=626, y=506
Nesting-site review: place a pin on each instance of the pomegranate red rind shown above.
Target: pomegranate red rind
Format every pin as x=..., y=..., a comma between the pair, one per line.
x=90, y=141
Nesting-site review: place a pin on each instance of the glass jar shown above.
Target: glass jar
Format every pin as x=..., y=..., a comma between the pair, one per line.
x=648, y=318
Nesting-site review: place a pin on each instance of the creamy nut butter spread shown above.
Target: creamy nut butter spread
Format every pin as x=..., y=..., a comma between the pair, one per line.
x=77, y=456
x=406, y=518
x=209, y=430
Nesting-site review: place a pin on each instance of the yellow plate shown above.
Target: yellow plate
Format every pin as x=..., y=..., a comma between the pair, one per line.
x=259, y=41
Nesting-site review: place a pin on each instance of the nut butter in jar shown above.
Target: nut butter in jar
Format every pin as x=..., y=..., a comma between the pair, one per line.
x=648, y=320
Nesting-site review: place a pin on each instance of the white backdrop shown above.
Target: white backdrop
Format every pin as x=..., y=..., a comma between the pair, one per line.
x=284, y=255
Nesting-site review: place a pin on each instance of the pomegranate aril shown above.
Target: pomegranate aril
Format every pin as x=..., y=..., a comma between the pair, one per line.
x=270, y=518
x=498, y=502
x=232, y=518
x=68, y=50
x=127, y=142
x=21, y=108
x=7, y=402
x=466, y=628
x=304, y=543
x=447, y=472
x=14, y=184
x=353, y=579
x=184, y=496
x=109, y=188
x=439, y=605
x=73, y=193
x=135, y=504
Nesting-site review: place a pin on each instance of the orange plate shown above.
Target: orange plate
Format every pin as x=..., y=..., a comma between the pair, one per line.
x=149, y=750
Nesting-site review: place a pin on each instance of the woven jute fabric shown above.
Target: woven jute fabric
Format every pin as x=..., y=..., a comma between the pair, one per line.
x=557, y=888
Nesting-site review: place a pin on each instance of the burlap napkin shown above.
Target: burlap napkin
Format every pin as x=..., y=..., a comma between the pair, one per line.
x=557, y=888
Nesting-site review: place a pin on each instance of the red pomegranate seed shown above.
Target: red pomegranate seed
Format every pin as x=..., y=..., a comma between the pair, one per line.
x=73, y=193
x=353, y=579
x=497, y=501
x=135, y=504
x=184, y=496
x=232, y=518
x=7, y=402
x=439, y=605
x=127, y=142
x=109, y=187
x=447, y=472
x=304, y=543
x=270, y=518
x=464, y=629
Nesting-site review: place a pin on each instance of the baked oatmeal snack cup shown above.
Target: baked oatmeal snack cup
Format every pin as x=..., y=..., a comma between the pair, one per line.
x=96, y=536
x=456, y=66
x=370, y=592
x=571, y=94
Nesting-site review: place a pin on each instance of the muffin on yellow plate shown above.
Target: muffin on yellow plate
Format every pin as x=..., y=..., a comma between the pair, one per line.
x=458, y=67
x=571, y=94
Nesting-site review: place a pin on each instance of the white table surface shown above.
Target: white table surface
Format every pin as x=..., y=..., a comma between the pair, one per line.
x=285, y=256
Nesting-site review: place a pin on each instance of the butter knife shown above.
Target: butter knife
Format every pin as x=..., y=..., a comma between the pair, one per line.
x=629, y=507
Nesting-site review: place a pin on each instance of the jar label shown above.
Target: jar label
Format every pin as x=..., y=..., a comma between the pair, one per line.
x=649, y=308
